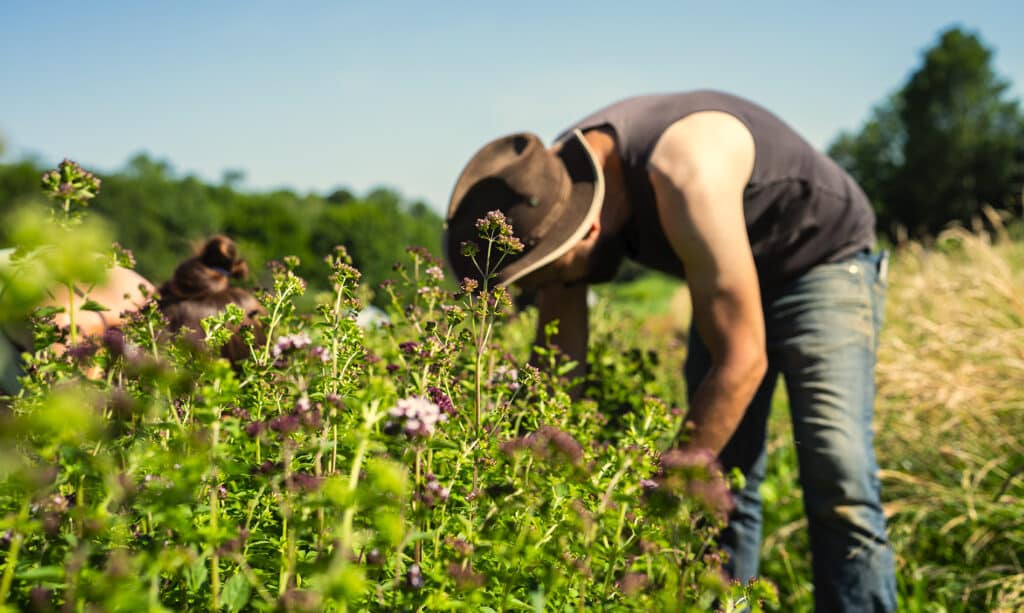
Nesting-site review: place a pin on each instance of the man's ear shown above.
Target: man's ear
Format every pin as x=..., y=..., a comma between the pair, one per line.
x=594, y=232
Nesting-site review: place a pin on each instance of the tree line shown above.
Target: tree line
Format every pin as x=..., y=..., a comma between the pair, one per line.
x=160, y=217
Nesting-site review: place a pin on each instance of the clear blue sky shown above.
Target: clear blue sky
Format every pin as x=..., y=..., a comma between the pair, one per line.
x=316, y=95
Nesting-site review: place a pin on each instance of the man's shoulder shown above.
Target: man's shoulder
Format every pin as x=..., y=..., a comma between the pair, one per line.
x=701, y=144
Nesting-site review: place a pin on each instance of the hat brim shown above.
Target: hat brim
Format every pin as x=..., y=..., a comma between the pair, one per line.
x=585, y=196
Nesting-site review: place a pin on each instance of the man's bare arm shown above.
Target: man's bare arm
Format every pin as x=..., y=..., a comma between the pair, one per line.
x=569, y=306
x=699, y=169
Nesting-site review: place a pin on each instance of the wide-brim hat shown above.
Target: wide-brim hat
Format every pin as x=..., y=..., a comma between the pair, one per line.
x=551, y=200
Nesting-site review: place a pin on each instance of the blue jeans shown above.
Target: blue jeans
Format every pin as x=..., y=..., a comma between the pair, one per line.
x=822, y=336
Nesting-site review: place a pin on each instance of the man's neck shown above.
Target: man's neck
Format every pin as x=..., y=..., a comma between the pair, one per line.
x=616, y=208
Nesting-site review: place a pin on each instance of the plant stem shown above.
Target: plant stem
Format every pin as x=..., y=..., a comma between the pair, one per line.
x=12, y=561
x=214, y=512
x=478, y=417
x=73, y=330
x=12, y=556
x=334, y=448
x=287, y=562
x=417, y=488
x=334, y=338
x=353, y=482
x=282, y=582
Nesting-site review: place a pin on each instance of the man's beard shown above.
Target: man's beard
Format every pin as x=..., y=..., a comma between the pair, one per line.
x=604, y=260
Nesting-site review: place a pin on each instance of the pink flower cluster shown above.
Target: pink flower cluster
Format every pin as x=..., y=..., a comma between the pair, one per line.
x=415, y=416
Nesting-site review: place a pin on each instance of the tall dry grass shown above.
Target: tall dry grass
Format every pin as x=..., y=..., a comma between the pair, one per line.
x=950, y=420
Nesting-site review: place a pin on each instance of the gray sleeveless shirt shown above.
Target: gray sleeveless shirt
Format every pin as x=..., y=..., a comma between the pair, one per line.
x=801, y=208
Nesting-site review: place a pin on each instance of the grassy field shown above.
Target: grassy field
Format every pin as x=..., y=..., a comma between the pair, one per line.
x=949, y=420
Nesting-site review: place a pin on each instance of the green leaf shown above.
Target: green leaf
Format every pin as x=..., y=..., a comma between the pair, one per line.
x=196, y=575
x=92, y=305
x=236, y=592
x=390, y=525
x=48, y=311
x=566, y=367
x=42, y=573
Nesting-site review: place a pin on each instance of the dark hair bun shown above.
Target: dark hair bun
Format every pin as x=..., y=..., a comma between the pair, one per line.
x=201, y=288
x=221, y=254
x=205, y=274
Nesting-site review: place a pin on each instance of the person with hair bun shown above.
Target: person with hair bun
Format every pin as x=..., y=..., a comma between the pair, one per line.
x=201, y=287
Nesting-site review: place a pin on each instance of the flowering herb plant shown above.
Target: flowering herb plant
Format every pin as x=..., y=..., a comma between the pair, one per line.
x=418, y=464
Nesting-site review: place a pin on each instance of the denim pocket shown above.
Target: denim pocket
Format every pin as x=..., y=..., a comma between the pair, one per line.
x=841, y=299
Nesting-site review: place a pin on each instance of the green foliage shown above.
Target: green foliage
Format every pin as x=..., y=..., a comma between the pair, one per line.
x=942, y=146
x=412, y=466
x=375, y=231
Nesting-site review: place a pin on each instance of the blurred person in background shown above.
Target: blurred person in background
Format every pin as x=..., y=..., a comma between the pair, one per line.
x=201, y=287
x=124, y=291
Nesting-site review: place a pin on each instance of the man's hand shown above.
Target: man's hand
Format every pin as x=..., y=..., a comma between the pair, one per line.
x=699, y=170
x=569, y=306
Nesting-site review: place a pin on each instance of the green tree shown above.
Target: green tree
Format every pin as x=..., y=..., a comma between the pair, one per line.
x=943, y=145
x=875, y=155
x=376, y=230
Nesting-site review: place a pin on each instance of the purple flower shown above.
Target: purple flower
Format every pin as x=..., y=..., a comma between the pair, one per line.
x=113, y=340
x=506, y=374
x=289, y=343
x=713, y=495
x=495, y=226
x=82, y=351
x=266, y=468
x=415, y=416
x=233, y=546
x=299, y=600
x=464, y=576
x=302, y=482
x=255, y=428
x=547, y=443
x=408, y=346
x=462, y=547
x=694, y=475
x=311, y=418
x=433, y=492
x=678, y=459
x=320, y=353
x=441, y=399
x=435, y=273
x=631, y=583
x=414, y=577
x=285, y=424
x=41, y=598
